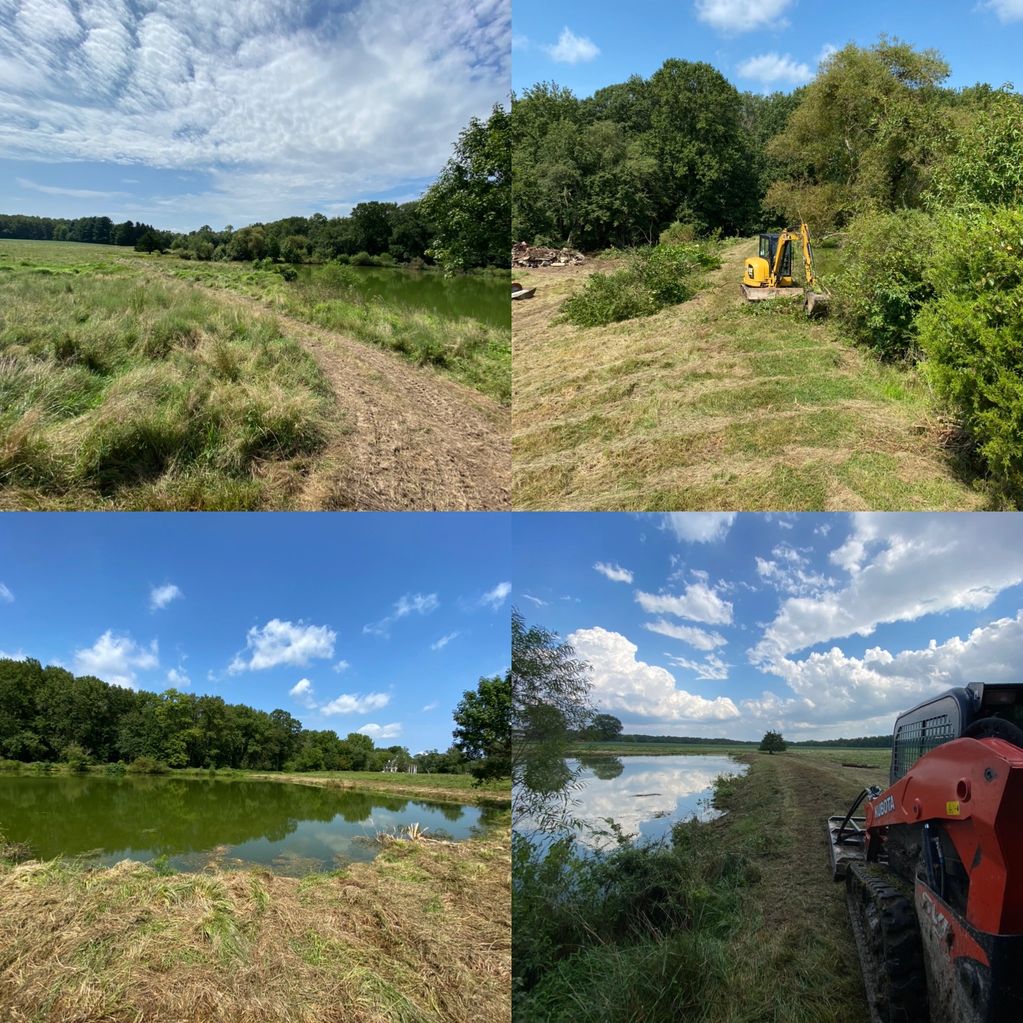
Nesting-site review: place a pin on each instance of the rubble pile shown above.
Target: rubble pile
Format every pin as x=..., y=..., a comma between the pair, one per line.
x=540, y=255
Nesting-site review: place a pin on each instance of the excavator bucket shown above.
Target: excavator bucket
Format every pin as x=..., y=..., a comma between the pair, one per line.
x=816, y=303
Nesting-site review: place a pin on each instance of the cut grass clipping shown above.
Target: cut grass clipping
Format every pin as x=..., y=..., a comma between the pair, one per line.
x=115, y=392
x=654, y=278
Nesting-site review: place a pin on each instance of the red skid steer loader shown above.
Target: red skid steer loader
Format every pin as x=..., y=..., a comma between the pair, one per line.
x=934, y=868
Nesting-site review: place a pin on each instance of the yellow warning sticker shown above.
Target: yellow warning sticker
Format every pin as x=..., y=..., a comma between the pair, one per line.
x=952, y=808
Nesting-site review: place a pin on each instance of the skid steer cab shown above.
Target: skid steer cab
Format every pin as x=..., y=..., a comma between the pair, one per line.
x=934, y=867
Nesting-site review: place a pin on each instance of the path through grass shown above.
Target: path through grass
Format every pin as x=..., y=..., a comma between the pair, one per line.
x=717, y=404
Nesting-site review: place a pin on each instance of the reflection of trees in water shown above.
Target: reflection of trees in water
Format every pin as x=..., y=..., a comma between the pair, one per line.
x=171, y=816
x=604, y=768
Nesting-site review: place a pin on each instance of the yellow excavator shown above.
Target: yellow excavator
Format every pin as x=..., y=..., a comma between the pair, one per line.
x=769, y=274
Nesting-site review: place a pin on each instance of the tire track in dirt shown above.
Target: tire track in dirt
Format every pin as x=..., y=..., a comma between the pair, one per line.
x=416, y=441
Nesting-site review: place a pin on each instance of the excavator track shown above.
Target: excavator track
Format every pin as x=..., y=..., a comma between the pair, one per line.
x=888, y=943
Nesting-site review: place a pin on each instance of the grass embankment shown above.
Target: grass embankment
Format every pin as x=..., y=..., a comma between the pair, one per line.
x=120, y=391
x=464, y=348
x=737, y=921
x=420, y=935
x=717, y=404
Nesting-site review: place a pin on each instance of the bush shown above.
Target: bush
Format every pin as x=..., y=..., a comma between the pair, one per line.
x=11, y=765
x=76, y=758
x=336, y=275
x=677, y=233
x=116, y=769
x=654, y=278
x=362, y=259
x=972, y=335
x=289, y=273
x=147, y=765
x=882, y=283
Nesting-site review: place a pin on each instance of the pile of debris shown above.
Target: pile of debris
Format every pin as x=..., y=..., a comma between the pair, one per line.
x=540, y=255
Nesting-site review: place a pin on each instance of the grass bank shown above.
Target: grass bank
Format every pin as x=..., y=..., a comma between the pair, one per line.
x=419, y=935
x=471, y=352
x=120, y=391
x=716, y=404
x=734, y=921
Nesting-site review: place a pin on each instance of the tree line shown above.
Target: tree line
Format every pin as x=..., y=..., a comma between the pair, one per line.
x=49, y=715
x=460, y=222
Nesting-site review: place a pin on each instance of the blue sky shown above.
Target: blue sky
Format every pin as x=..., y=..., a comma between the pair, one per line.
x=386, y=618
x=821, y=625
x=761, y=46
x=185, y=112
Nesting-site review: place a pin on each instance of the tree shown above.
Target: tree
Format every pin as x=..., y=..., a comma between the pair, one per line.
x=483, y=735
x=603, y=727
x=550, y=701
x=469, y=205
x=772, y=742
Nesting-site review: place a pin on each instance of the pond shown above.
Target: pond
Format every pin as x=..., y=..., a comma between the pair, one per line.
x=487, y=299
x=292, y=829
x=644, y=795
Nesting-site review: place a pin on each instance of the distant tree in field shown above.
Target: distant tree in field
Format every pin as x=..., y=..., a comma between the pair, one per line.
x=772, y=742
x=483, y=735
x=603, y=727
x=469, y=205
x=148, y=242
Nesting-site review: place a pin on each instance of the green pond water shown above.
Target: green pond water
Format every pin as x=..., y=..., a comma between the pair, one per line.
x=293, y=829
x=487, y=299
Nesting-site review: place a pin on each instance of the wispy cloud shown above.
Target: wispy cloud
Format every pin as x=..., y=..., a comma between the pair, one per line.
x=444, y=640
x=497, y=596
x=410, y=603
x=572, y=49
x=74, y=193
x=615, y=573
x=161, y=596
x=5, y=594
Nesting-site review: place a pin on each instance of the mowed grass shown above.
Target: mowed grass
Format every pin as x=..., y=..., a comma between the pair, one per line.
x=471, y=352
x=422, y=934
x=121, y=391
x=717, y=404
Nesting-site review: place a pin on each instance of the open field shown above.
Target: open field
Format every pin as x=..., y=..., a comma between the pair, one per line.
x=716, y=404
x=737, y=921
x=419, y=935
x=871, y=758
x=124, y=386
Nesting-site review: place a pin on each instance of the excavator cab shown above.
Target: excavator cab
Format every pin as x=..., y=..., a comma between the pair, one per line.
x=768, y=275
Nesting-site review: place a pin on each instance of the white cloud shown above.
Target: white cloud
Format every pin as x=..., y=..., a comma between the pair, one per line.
x=615, y=573
x=1006, y=10
x=699, y=638
x=497, y=596
x=429, y=707
x=280, y=642
x=827, y=50
x=276, y=111
x=116, y=659
x=902, y=567
x=341, y=666
x=790, y=573
x=535, y=600
x=376, y=732
x=161, y=596
x=699, y=527
x=178, y=679
x=17, y=655
x=73, y=193
x=832, y=688
x=410, y=603
x=304, y=692
x=625, y=685
x=572, y=49
x=5, y=594
x=823, y=529
x=734, y=16
x=772, y=70
x=444, y=640
x=352, y=703
x=699, y=603
x=711, y=669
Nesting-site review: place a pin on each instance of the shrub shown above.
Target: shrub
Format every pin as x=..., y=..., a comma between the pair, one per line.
x=608, y=298
x=882, y=283
x=76, y=758
x=677, y=233
x=289, y=273
x=337, y=275
x=972, y=335
x=362, y=259
x=147, y=765
x=116, y=769
x=10, y=765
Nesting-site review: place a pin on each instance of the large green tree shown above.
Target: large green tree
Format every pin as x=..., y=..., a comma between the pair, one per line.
x=483, y=732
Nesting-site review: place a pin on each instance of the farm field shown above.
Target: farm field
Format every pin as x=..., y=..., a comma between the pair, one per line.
x=717, y=404
x=872, y=758
x=127, y=386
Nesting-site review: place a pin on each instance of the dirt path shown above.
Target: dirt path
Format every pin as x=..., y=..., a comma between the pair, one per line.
x=716, y=404
x=803, y=939
x=413, y=440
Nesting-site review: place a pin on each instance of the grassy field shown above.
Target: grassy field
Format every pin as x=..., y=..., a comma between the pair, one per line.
x=718, y=404
x=738, y=921
x=419, y=935
x=873, y=758
x=124, y=386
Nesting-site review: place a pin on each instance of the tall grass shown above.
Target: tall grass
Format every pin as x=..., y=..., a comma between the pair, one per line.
x=119, y=392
